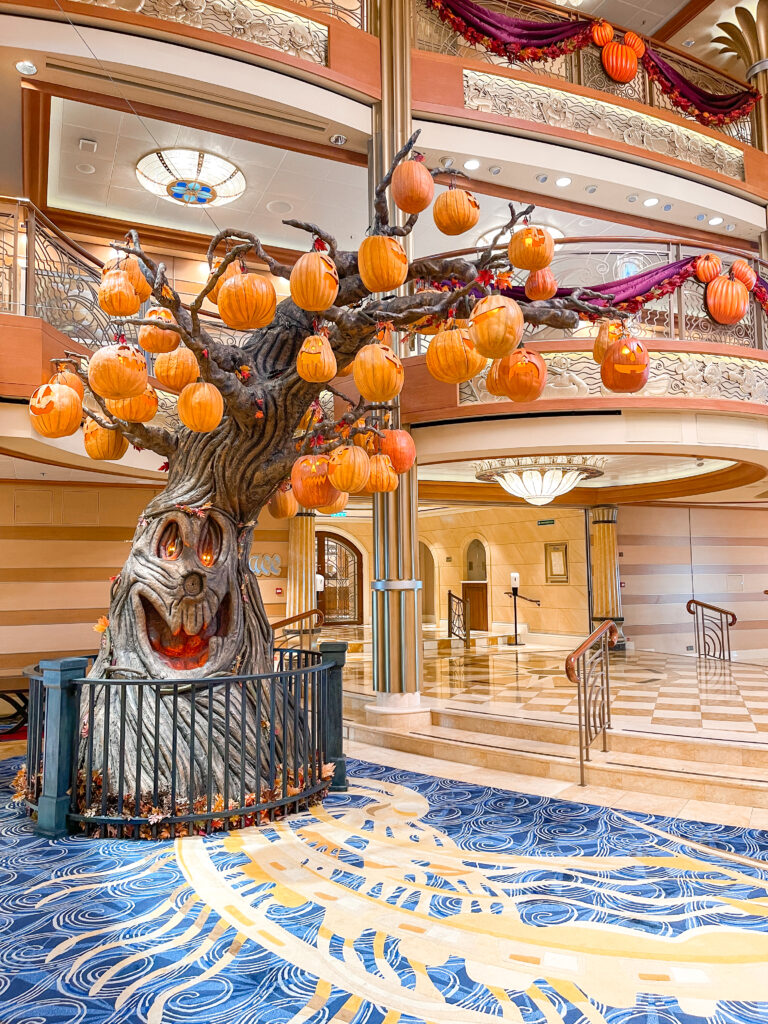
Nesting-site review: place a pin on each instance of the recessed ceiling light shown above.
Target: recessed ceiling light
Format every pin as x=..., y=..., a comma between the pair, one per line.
x=446, y=161
x=632, y=198
x=701, y=216
x=26, y=67
x=730, y=227
x=338, y=140
x=541, y=178
x=689, y=42
x=494, y=170
x=667, y=207
x=85, y=168
x=563, y=182
x=471, y=165
x=651, y=201
x=590, y=189
x=715, y=221
x=279, y=206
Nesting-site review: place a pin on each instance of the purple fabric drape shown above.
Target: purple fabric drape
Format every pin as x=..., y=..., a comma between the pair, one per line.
x=700, y=99
x=514, y=30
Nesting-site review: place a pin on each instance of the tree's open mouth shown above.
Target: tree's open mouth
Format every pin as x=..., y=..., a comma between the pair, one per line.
x=182, y=650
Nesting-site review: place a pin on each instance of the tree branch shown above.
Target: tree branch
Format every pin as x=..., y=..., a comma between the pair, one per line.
x=313, y=229
x=380, y=204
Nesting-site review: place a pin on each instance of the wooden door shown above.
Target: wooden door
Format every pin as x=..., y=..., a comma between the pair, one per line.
x=477, y=593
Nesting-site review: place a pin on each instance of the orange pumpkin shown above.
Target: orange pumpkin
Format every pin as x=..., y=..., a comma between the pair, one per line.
x=382, y=477
x=368, y=440
x=496, y=326
x=492, y=382
x=136, y=410
x=708, y=267
x=117, y=371
x=619, y=61
x=727, y=300
x=233, y=269
x=349, y=467
x=131, y=266
x=382, y=263
x=68, y=379
x=455, y=211
x=625, y=366
x=430, y=324
x=378, y=373
x=55, y=410
x=314, y=282
x=633, y=40
x=540, y=285
x=176, y=369
x=400, y=447
x=200, y=407
x=522, y=375
x=610, y=331
x=156, y=339
x=531, y=248
x=336, y=506
x=742, y=271
x=316, y=361
x=453, y=358
x=103, y=444
x=283, y=504
x=311, y=483
x=117, y=296
x=602, y=33
x=412, y=186
x=247, y=302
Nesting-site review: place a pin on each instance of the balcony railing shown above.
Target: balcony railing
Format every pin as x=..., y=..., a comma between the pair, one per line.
x=581, y=68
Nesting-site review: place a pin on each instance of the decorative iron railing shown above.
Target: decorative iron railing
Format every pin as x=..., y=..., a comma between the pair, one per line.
x=712, y=626
x=583, y=67
x=588, y=669
x=146, y=758
x=459, y=619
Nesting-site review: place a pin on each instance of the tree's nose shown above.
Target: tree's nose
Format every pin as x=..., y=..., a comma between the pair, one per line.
x=193, y=584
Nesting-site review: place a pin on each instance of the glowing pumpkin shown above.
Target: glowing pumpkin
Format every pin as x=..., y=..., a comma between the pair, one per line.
x=117, y=371
x=348, y=468
x=540, y=285
x=708, y=267
x=247, y=302
x=55, y=410
x=496, y=326
x=177, y=369
x=609, y=331
x=201, y=407
x=727, y=300
x=154, y=338
x=314, y=282
x=378, y=373
x=531, y=248
x=522, y=375
x=453, y=358
x=101, y=444
x=492, y=382
x=140, y=409
x=619, y=62
x=412, y=186
x=316, y=362
x=625, y=366
x=311, y=483
x=400, y=447
x=455, y=211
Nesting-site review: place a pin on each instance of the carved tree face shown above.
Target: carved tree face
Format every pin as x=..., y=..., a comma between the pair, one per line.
x=185, y=597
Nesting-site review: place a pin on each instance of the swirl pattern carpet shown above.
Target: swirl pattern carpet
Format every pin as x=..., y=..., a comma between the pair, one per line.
x=409, y=899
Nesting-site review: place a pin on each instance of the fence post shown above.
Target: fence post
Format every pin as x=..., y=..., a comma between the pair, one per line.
x=334, y=654
x=58, y=743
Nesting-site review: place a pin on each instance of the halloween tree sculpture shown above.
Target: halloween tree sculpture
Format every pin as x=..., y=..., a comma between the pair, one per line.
x=185, y=604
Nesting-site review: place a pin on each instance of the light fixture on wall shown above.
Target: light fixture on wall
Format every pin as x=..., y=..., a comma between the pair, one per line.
x=190, y=177
x=539, y=479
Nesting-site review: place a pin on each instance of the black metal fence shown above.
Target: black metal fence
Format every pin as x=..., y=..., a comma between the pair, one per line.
x=154, y=759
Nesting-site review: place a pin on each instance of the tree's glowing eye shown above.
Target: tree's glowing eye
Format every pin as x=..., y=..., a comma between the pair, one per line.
x=209, y=545
x=170, y=544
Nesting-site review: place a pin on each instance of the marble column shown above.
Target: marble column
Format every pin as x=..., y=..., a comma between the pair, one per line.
x=604, y=557
x=302, y=562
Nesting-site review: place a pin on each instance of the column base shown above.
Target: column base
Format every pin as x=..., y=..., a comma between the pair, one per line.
x=401, y=711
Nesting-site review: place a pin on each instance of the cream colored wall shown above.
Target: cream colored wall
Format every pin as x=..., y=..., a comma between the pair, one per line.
x=668, y=555
x=59, y=545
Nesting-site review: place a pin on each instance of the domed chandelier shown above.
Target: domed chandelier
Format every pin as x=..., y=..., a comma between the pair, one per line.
x=190, y=177
x=539, y=479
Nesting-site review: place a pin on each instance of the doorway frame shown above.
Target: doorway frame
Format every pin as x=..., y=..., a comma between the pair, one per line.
x=320, y=538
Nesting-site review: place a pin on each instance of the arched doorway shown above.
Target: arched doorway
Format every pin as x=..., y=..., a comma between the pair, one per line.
x=341, y=566
x=476, y=568
x=427, y=577
x=474, y=586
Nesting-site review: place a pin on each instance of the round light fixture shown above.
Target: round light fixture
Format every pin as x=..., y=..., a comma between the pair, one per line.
x=279, y=206
x=190, y=177
x=730, y=227
x=590, y=189
x=715, y=221
x=85, y=168
x=539, y=479
x=701, y=216
x=651, y=201
x=541, y=178
x=338, y=140
x=446, y=161
x=632, y=198
x=563, y=182
x=689, y=42
x=471, y=165
x=26, y=67
x=494, y=170
x=667, y=207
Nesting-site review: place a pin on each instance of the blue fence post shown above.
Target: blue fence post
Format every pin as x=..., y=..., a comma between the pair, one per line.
x=59, y=738
x=334, y=654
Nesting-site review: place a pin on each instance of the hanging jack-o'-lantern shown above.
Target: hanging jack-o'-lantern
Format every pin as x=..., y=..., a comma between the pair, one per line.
x=400, y=447
x=382, y=477
x=625, y=366
x=247, y=302
x=412, y=186
x=140, y=409
x=55, y=410
x=531, y=248
x=619, y=62
x=522, y=375
x=541, y=285
x=610, y=331
x=492, y=382
x=314, y=282
x=349, y=467
x=117, y=296
x=177, y=369
x=727, y=300
x=117, y=371
x=154, y=337
x=310, y=481
x=283, y=503
x=742, y=271
x=338, y=504
x=453, y=358
x=455, y=211
x=378, y=373
x=233, y=269
x=382, y=263
x=496, y=326
x=707, y=267
x=131, y=266
x=67, y=378
x=102, y=444
x=316, y=362
x=201, y=407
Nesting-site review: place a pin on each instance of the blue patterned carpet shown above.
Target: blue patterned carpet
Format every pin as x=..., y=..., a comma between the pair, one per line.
x=409, y=900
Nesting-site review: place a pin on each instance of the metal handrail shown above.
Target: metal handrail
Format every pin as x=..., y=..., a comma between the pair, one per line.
x=298, y=618
x=304, y=631
x=459, y=619
x=712, y=631
x=587, y=668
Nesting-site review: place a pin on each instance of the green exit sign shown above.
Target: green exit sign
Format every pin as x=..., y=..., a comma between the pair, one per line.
x=545, y=522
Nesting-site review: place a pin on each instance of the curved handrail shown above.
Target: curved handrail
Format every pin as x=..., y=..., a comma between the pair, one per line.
x=693, y=604
x=608, y=627
x=282, y=623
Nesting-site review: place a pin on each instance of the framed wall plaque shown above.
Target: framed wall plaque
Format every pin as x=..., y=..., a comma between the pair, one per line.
x=556, y=563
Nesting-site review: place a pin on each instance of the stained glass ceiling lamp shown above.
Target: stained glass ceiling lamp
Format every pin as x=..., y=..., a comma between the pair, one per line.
x=190, y=177
x=539, y=479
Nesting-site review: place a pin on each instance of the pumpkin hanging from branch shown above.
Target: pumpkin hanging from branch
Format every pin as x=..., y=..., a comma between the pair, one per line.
x=315, y=361
x=177, y=369
x=400, y=447
x=66, y=377
x=117, y=371
x=310, y=482
x=541, y=285
x=625, y=366
x=337, y=505
x=382, y=478
x=455, y=211
x=412, y=187
x=153, y=337
x=522, y=375
x=531, y=248
x=452, y=357
x=102, y=444
x=117, y=296
x=233, y=268
x=382, y=263
x=378, y=373
x=247, y=302
x=314, y=282
x=349, y=468
x=140, y=409
x=201, y=407
x=609, y=331
x=496, y=326
x=283, y=503
x=55, y=410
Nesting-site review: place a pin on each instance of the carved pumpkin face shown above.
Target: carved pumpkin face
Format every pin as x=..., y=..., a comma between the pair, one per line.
x=188, y=609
